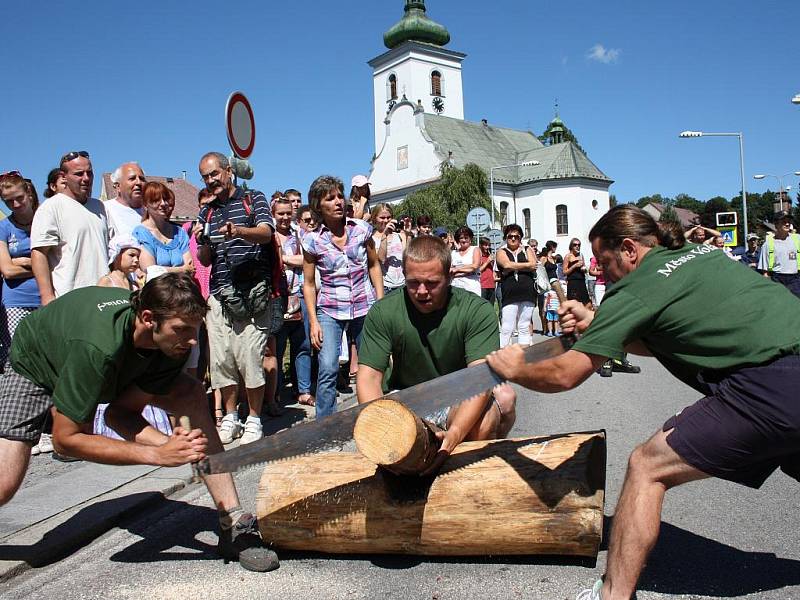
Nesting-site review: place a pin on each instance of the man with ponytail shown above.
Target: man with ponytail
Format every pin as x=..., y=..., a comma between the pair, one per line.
x=747, y=424
x=105, y=345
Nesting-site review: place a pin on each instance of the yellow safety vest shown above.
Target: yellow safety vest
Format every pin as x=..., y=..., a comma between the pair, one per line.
x=771, y=249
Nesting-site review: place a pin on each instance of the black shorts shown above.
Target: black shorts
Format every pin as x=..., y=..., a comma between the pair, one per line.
x=746, y=427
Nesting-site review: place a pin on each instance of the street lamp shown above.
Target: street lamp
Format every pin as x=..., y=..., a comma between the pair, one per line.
x=780, y=182
x=527, y=163
x=691, y=134
x=796, y=99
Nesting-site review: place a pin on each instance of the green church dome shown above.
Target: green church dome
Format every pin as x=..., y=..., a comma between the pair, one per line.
x=416, y=26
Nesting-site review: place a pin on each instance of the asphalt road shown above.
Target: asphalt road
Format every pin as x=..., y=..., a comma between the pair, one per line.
x=718, y=540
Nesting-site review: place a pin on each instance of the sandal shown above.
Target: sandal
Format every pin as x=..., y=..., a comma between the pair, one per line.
x=306, y=400
x=219, y=414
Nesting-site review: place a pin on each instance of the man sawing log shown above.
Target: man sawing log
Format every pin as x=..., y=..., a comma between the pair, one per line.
x=428, y=329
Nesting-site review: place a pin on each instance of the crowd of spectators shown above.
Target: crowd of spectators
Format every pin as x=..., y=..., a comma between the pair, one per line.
x=279, y=275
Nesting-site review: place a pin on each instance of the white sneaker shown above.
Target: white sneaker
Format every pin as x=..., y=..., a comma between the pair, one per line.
x=252, y=430
x=593, y=593
x=45, y=444
x=230, y=429
x=35, y=450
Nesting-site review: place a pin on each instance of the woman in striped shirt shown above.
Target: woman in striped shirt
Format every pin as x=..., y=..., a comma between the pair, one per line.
x=350, y=280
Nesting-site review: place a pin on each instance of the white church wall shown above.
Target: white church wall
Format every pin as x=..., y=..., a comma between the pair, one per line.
x=542, y=199
x=406, y=158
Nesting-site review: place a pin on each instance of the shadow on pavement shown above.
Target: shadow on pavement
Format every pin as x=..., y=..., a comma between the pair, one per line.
x=79, y=530
x=685, y=563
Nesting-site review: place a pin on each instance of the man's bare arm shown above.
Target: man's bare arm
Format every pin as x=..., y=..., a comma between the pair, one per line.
x=75, y=439
x=558, y=374
x=41, y=271
x=369, y=384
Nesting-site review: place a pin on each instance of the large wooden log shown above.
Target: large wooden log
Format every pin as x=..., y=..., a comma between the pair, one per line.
x=524, y=496
x=392, y=436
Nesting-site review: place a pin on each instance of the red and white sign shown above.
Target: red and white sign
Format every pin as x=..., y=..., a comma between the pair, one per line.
x=240, y=125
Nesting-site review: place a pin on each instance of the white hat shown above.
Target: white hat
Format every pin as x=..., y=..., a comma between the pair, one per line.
x=120, y=243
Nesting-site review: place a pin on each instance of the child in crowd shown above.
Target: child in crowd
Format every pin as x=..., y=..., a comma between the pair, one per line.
x=551, y=305
x=123, y=256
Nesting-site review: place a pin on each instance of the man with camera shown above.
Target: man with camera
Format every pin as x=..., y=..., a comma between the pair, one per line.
x=235, y=231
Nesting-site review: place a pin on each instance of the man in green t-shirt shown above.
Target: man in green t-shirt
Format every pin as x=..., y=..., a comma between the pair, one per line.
x=103, y=345
x=721, y=328
x=427, y=329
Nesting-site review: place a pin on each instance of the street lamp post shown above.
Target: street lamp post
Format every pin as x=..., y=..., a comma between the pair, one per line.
x=796, y=99
x=780, y=182
x=692, y=134
x=527, y=163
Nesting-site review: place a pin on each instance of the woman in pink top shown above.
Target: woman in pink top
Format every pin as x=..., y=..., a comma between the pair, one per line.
x=600, y=281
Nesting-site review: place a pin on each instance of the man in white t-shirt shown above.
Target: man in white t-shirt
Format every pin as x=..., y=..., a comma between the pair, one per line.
x=125, y=211
x=69, y=235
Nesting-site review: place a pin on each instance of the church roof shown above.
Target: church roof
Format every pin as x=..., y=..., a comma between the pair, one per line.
x=489, y=146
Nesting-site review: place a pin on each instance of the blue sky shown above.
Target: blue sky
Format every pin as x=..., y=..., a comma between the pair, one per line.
x=148, y=81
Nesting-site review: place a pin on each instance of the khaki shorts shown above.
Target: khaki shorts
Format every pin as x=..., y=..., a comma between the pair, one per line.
x=237, y=347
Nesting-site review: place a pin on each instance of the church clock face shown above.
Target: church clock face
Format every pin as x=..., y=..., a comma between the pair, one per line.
x=438, y=105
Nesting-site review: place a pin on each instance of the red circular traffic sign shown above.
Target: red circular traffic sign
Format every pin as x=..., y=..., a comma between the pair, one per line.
x=240, y=125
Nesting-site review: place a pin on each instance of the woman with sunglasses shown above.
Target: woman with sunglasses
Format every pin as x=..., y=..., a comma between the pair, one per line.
x=575, y=271
x=466, y=262
x=390, y=245
x=517, y=266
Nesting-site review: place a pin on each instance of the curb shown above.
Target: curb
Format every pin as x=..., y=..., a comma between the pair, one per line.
x=52, y=539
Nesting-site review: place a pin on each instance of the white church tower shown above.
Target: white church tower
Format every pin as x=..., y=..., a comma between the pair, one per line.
x=418, y=68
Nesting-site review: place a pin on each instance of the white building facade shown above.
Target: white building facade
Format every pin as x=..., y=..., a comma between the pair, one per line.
x=419, y=124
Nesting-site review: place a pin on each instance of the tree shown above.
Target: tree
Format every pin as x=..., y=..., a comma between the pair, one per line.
x=448, y=201
x=612, y=200
x=687, y=202
x=658, y=198
x=668, y=215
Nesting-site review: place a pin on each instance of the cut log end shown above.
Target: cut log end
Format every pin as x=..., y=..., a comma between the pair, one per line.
x=388, y=434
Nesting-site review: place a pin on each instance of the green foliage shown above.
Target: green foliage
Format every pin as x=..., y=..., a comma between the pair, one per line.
x=688, y=202
x=449, y=200
x=612, y=200
x=668, y=215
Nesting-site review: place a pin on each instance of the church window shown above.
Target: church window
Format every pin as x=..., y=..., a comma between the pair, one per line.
x=562, y=223
x=526, y=216
x=436, y=83
x=392, y=87
x=503, y=214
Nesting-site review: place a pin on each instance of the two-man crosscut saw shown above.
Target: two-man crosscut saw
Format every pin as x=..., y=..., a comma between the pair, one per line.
x=423, y=399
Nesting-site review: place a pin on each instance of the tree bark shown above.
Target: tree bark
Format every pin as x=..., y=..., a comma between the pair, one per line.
x=391, y=436
x=526, y=496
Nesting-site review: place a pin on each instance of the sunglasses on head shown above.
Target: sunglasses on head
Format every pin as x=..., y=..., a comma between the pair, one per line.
x=10, y=174
x=73, y=155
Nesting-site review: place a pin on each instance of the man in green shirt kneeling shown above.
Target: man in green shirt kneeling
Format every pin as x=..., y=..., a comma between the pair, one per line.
x=427, y=329
x=103, y=345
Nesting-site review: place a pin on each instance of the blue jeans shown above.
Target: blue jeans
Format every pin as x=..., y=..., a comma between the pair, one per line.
x=332, y=331
x=299, y=356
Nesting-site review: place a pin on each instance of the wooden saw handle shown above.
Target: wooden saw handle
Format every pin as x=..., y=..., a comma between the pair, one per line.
x=186, y=423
